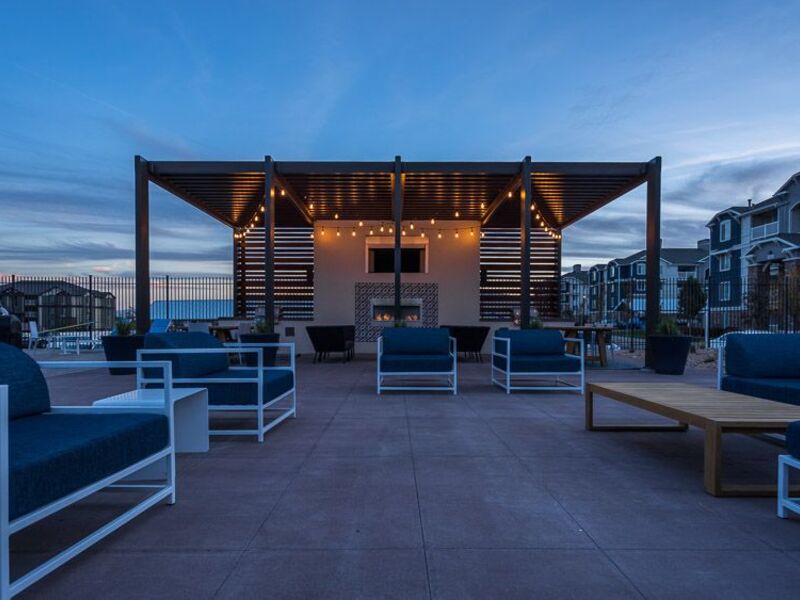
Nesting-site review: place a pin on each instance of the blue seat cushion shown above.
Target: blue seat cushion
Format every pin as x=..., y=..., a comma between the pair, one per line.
x=276, y=382
x=769, y=388
x=186, y=365
x=416, y=340
x=540, y=363
x=27, y=388
x=793, y=439
x=763, y=355
x=531, y=341
x=422, y=363
x=53, y=455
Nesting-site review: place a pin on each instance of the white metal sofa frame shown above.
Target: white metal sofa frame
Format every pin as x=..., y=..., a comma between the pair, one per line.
x=452, y=375
x=508, y=376
x=9, y=588
x=260, y=407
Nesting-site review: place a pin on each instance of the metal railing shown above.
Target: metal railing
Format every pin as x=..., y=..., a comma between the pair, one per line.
x=762, y=231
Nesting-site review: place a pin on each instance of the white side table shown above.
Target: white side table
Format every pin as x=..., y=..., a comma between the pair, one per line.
x=191, y=413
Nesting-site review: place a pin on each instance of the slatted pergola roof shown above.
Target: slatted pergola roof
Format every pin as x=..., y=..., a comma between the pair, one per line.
x=233, y=192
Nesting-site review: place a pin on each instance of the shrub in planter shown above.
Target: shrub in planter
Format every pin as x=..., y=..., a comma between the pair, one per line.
x=669, y=349
x=122, y=344
x=261, y=335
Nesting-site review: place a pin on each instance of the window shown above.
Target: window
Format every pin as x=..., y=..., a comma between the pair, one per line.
x=594, y=275
x=641, y=286
x=725, y=230
x=612, y=271
x=724, y=262
x=381, y=260
x=725, y=291
x=641, y=268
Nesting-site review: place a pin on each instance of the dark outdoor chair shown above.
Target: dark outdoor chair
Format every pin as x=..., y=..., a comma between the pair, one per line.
x=52, y=457
x=412, y=353
x=469, y=339
x=531, y=354
x=332, y=338
x=201, y=360
x=766, y=365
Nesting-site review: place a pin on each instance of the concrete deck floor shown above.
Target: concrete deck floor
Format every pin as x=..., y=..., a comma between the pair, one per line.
x=481, y=495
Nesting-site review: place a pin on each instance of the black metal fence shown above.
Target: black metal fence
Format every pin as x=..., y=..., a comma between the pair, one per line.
x=702, y=309
x=89, y=304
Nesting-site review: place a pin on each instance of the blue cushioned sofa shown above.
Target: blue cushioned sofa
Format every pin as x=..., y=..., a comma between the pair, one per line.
x=201, y=360
x=766, y=365
x=785, y=463
x=54, y=456
x=417, y=353
x=531, y=354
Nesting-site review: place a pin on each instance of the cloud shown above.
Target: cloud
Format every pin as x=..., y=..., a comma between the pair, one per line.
x=103, y=251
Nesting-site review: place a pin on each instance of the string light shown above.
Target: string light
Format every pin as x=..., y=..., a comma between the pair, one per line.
x=335, y=215
x=439, y=235
x=483, y=234
x=509, y=194
x=483, y=205
x=262, y=208
x=433, y=221
x=361, y=223
x=311, y=206
x=472, y=232
x=422, y=234
x=411, y=226
x=283, y=192
x=338, y=233
x=370, y=231
x=311, y=235
x=391, y=229
x=456, y=232
x=353, y=233
x=322, y=230
x=457, y=214
x=381, y=227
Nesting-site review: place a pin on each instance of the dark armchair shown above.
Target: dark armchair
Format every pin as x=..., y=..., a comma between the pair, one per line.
x=332, y=338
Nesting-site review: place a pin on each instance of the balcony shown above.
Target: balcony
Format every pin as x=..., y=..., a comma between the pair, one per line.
x=765, y=230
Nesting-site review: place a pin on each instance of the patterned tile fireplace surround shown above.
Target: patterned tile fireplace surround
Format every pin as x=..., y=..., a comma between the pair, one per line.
x=426, y=294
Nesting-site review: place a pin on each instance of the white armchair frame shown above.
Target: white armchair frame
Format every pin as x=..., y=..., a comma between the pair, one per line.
x=451, y=376
x=260, y=407
x=122, y=479
x=785, y=501
x=507, y=376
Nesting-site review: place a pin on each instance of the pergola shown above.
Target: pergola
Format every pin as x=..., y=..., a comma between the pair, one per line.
x=495, y=194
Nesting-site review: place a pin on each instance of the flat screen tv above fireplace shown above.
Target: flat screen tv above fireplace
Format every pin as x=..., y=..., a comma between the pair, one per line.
x=381, y=260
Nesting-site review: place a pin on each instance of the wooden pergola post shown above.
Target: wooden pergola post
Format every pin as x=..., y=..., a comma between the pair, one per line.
x=269, y=242
x=525, y=244
x=653, y=261
x=397, y=215
x=142, y=244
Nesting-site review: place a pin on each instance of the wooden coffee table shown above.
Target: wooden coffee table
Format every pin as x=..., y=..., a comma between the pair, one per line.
x=715, y=411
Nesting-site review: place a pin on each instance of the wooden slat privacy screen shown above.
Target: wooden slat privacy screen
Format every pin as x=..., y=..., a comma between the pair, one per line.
x=499, y=276
x=500, y=270
x=294, y=273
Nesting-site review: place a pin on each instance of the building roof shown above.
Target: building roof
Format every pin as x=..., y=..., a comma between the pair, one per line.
x=38, y=287
x=579, y=275
x=233, y=192
x=676, y=256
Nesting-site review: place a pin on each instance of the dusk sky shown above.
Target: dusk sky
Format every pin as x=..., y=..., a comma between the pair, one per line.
x=712, y=87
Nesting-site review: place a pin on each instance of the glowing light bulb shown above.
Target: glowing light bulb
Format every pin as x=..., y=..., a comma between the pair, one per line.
x=262, y=209
x=361, y=223
x=391, y=229
x=403, y=232
x=322, y=231
x=353, y=233
x=433, y=221
x=472, y=232
x=311, y=206
x=457, y=214
x=422, y=234
x=381, y=227
x=439, y=235
x=509, y=194
x=335, y=215
x=370, y=231
x=483, y=234
x=338, y=233
x=311, y=235
x=283, y=192
x=483, y=205
x=456, y=232
x=411, y=226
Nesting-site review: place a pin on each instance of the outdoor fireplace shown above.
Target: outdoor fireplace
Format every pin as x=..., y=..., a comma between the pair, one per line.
x=383, y=310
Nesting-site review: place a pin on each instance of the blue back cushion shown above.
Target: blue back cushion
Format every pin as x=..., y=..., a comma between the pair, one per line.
x=416, y=340
x=27, y=389
x=763, y=355
x=533, y=341
x=187, y=365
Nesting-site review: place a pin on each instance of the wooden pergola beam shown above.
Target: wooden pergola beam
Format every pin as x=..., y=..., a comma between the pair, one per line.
x=142, y=243
x=269, y=242
x=294, y=198
x=653, y=260
x=397, y=215
x=525, y=243
x=507, y=191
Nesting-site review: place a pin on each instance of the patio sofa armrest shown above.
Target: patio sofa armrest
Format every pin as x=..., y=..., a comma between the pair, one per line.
x=505, y=341
x=453, y=346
